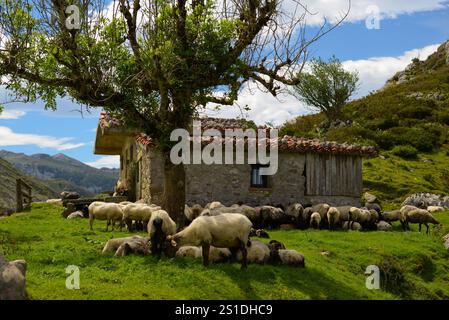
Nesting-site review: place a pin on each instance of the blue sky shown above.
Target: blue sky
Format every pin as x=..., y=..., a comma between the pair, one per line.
x=408, y=29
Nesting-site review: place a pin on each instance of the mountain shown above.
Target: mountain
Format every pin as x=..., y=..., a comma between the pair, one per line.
x=8, y=176
x=60, y=172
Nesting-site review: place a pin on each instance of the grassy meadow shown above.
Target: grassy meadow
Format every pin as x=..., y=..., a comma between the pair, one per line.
x=413, y=265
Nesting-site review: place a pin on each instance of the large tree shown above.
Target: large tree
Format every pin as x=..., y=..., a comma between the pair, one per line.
x=152, y=63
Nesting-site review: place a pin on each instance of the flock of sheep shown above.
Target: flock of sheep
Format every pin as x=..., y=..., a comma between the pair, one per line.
x=218, y=233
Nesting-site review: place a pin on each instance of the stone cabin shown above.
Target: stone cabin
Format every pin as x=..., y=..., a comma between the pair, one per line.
x=309, y=171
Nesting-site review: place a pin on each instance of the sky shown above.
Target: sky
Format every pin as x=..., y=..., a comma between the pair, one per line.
x=379, y=38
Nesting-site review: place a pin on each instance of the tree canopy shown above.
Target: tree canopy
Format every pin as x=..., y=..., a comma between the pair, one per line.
x=327, y=87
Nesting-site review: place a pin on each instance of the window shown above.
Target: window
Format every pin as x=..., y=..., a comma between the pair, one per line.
x=257, y=180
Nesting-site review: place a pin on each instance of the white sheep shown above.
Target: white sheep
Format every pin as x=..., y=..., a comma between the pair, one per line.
x=136, y=246
x=433, y=209
x=189, y=251
x=333, y=217
x=258, y=252
x=344, y=212
x=384, y=226
x=223, y=231
x=288, y=257
x=111, y=212
x=315, y=220
x=76, y=215
x=114, y=244
x=361, y=216
x=137, y=212
x=391, y=216
x=216, y=255
x=214, y=205
x=350, y=225
x=159, y=227
x=322, y=209
x=420, y=216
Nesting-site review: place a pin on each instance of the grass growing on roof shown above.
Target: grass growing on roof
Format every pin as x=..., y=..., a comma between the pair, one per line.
x=50, y=243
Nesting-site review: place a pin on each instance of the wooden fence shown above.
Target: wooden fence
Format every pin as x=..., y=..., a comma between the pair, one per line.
x=23, y=196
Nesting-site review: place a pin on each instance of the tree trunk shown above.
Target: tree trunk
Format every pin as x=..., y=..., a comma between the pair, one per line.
x=174, y=196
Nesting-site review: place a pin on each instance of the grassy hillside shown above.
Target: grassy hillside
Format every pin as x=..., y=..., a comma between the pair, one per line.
x=8, y=176
x=413, y=265
x=62, y=173
x=407, y=120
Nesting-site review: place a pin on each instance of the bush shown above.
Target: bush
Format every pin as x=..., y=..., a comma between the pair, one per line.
x=406, y=152
x=421, y=139
x=443, y=116
x=416, y=112
x=352, y=134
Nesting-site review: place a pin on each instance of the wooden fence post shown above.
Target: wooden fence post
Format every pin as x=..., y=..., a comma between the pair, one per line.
x=24, y=197
x=19, y=198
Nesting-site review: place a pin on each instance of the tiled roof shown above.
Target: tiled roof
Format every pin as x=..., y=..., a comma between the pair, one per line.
x=285, y=143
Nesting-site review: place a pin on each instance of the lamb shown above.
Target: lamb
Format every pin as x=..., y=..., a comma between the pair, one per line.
x=222, y=231
x=288, y=257
x=294, y=212
x=258, y=252
x=159, y=227
x=420, y=216
x=114, y=244
x=105, y=211
x=315, y=220
x=333, y=217
x=349, y=225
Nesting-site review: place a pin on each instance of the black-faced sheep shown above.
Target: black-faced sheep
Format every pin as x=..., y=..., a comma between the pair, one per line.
x=159, y=227
x=275, y=245
x=288, y=257
x=315, y=220
x=260, y=233
x=420, y=216
x=333, y=217
x=223, y=231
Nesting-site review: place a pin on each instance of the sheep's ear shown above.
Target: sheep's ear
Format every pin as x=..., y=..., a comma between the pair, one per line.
x=173, y=243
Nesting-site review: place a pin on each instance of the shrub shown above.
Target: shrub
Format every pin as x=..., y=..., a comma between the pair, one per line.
x=352, y=134
x=406, y=152
x=443, y=116
x=416, y=112
x=421, y=139
x=429, y=178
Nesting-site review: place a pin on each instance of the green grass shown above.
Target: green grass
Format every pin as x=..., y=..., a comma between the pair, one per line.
x=50, y=243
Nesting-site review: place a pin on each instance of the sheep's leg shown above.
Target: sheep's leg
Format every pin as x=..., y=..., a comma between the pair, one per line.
x=206, y=248
x=427, y=226
x=91, y=222
x=420, y=227
x=107, y=224
x=244, y=255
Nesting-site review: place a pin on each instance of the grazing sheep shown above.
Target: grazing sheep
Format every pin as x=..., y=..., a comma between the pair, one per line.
x=350, y=225
x=258, y=252
x=114, y=244
x=287, y=257
x=322, y=209
x=433, y=209
x=272, y=217
x=222, y=231
x=373, y=206
x=333, y=217
x=420, y=216
x=384, y=226
x=159, y=227
x=391, y=216
x=111, y=212
x=315, y=220
x=135, y=246
x=306, y=214
x=294, y=212
x=76, y=215
x=362, y=216
x=344, y=212
x=251, y=213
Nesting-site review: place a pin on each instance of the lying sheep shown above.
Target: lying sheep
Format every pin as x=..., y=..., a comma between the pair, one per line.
x=260, y=233
x=114, y=244
x=76, y=215
x=111, y=212
x=276, y=245
x=420, y=216
x=333, y=217
x=216, y=255
x=350, y=225
x=433, y=209
x=315, y=220
x=287, y=257
x=384, y=226
x=222, y=231
x=258, y=252
x=159, y=227
x=135, y=246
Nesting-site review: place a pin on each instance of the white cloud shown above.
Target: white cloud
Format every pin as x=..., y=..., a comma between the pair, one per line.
x=333, y=9
x=11, y=114
x=105, y=162
x=10, y=138
x=373, y=73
